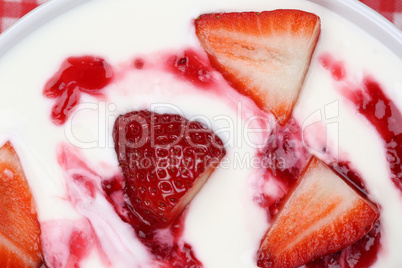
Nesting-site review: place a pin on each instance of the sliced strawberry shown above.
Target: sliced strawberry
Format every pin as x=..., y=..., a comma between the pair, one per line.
x=19, y=226
x=321, y=216
x=166, y=159
x=263, y=55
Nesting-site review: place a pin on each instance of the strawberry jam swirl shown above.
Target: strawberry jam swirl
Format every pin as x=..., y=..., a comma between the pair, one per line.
x=77, y=75
x=371, y=102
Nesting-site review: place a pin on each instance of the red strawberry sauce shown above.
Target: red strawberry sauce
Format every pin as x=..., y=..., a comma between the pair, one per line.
x=76, y=75
x=336, y=68
x=191, y=66
x=370, y=101
x=76, y=235
x=89, y=74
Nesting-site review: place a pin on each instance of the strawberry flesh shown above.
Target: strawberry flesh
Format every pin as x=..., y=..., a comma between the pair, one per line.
x=19, y=226
x=322, y=215
x=263, y=55
x=165, y=159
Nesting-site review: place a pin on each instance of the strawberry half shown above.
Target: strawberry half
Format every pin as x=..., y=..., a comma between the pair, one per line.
x=19, y=226
x=166, y=159
x=263, y=55
x=322, y=215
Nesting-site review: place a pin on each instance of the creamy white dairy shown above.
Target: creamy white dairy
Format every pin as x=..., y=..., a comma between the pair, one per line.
x=223, y=224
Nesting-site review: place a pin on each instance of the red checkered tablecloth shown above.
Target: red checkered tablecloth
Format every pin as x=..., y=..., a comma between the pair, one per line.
x=12, y=10
x=391, y=9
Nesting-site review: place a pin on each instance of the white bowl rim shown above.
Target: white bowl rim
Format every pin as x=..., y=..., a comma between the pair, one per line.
x=353, y=10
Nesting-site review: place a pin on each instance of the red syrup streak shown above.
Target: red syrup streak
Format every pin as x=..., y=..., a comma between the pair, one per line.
x=191, y=66
x=80, y=245
x=76, y=75
x=166, y=244
x=383, y=114
x=287, y=158
x=336, y=68
x=371, y=102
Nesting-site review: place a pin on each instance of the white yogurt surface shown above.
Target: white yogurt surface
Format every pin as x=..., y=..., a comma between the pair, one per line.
x=223, y=224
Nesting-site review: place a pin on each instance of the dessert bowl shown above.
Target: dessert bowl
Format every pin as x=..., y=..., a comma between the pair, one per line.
x=356, y=45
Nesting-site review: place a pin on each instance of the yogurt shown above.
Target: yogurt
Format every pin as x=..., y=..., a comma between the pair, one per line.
x=224, y=228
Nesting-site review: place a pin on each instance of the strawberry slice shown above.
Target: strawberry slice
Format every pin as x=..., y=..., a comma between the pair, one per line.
x=263, y=55
x=166, y=159
x=322, y=215
x=19, y=226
